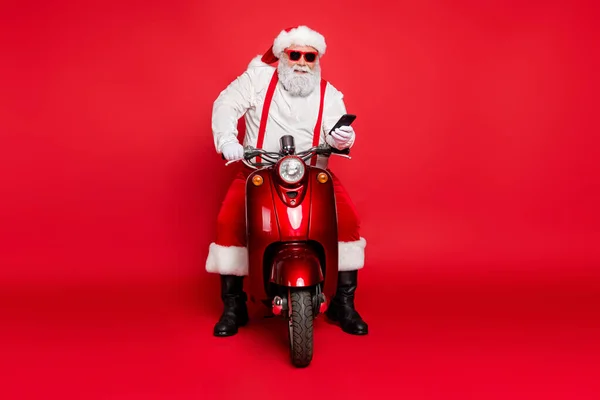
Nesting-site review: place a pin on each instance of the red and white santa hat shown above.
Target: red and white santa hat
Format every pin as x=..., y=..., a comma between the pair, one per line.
x=299, y=36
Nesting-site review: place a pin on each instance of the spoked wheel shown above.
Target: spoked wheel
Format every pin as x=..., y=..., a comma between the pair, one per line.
x=300, y=326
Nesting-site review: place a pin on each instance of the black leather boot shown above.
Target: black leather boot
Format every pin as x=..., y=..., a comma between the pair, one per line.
x=235, y=313
x=341, y=309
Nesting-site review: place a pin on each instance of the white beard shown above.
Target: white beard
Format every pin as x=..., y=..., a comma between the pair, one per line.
x=299, y=84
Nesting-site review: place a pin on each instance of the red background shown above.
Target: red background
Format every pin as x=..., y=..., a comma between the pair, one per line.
x=475, y=173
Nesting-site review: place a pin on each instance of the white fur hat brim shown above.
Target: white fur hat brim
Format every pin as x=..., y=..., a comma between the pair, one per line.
x=299, y=36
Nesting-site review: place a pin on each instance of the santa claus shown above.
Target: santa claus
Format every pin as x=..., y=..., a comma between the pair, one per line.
x=290, y=99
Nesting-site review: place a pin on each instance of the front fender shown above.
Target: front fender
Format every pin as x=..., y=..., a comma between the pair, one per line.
x=296, y=266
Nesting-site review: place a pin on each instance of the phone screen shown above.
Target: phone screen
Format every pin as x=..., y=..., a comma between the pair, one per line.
x=345, y=120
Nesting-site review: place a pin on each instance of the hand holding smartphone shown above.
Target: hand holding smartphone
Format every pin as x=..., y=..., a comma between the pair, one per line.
x=345, y=120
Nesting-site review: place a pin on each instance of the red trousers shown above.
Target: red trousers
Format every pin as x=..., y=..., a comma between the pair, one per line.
x=228, y=254
x=231, y=221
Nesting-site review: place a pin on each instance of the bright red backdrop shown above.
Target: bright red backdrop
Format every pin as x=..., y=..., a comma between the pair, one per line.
x=477, y=152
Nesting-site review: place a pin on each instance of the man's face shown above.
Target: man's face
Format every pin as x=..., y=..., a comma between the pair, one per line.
x=290, y=57
x=298, y=75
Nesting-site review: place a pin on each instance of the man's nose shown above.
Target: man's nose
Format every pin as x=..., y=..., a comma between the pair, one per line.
x=302, y=61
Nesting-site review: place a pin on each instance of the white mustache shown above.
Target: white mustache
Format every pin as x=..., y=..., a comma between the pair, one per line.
x=301, y=68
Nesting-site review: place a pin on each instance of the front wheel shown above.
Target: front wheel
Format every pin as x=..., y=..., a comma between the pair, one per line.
x=300, y=327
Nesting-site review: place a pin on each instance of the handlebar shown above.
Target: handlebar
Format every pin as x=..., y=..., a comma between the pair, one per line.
x=270, y=158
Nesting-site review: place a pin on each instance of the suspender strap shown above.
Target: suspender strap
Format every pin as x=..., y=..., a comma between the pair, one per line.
x=265, y=115
x=265, y=112
x=317, y=132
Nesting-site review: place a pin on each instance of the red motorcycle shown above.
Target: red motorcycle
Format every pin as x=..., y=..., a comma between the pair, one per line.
x=292, y=238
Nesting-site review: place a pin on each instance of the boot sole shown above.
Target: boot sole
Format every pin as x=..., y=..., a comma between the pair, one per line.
x=224, y=334
x=227, y=334
x=356, y=333
x=336, y=321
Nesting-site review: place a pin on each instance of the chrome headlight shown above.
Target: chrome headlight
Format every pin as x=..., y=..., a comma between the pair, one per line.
x=291, y=169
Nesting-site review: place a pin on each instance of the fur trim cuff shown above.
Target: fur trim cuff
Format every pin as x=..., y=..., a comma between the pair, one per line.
x=227, y=260
x=352, y=255
x=301, y=36
x=232, y=260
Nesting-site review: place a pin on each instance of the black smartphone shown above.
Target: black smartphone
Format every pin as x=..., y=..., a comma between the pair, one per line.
x=345, y=120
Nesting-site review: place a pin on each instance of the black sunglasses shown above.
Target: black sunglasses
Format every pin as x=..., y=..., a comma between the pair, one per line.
x=309, y=56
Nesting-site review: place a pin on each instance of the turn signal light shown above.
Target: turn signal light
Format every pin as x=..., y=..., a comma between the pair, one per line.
x=257, y=180
x=322, y=177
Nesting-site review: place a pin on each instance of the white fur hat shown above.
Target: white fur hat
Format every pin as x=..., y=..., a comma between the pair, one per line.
x=299, y=36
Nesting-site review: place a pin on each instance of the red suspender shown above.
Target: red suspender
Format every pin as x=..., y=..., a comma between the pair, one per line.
x=317, y=133
x=265, y=115
x=265, y=112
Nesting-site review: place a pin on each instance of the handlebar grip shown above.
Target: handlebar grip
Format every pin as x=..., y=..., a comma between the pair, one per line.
x=247, y=154
x=345, y=151
x=251, y=154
